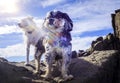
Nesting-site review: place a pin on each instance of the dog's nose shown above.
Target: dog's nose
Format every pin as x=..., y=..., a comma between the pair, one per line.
x=19, y=24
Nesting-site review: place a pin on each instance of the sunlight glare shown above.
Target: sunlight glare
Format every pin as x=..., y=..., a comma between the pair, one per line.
x=9, y=6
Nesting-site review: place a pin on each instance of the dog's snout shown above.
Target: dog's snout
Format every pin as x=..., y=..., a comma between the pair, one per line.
x=19, y=25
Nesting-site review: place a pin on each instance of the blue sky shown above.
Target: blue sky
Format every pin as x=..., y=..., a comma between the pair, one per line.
x=91, y=19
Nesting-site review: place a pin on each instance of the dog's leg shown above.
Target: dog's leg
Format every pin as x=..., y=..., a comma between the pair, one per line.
x=69, y=58
x=69, y=54
x=65, y=65
x=64, y=69
x=37, y=60
x=27, y=54
x=48, y=59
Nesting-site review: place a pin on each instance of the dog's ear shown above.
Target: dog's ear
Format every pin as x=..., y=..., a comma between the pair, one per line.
x=49, y=14
x=70, y=23
x=65, y=16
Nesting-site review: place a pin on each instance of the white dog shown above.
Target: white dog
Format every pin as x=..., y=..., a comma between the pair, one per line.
x=34, y=37
x=57, y=42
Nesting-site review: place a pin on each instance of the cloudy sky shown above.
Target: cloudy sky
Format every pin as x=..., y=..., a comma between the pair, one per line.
x=91, y=18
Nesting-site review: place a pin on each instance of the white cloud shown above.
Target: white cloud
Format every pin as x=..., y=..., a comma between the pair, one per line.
x=6, y=29
x=39, y=21
x=79, y=43
x=90, y=15
x=12, y=27
x=15, y=50
x=97, y=23
x=90, y=8
x=7, y=6
x=9, y=25
x=45, y=3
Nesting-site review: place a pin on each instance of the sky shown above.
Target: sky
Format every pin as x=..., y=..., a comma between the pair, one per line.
x=91, y=19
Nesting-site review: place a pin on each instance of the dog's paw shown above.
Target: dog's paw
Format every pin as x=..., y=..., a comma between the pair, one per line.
x=47, y=77
x=68, y=77
x=64, y=79
x=26, y=64
x=37, y=74
x=58, y=79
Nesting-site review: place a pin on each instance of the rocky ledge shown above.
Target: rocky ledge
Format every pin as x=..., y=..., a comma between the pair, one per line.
x=99, y=67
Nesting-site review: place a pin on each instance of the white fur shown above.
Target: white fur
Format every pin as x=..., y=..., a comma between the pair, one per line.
x=33, y=34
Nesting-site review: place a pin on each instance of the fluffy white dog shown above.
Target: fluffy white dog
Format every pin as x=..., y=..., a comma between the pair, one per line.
x=57, y=42
x=35, y=38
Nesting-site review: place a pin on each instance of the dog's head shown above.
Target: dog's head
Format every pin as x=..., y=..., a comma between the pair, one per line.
x=27, y=24
x=57, y=19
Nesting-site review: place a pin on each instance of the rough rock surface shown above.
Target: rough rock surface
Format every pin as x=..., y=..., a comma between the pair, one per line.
x=109, y=42
x=116, y=28
x=116, y=23
x=97, y=68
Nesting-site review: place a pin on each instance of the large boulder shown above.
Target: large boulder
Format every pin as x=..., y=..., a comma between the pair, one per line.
x=116, y=23
x=109, y=42
x=116, y=28
x=74, y=54
x=99, y=67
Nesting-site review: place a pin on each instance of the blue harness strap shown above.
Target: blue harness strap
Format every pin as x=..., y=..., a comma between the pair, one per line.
x=64, y=42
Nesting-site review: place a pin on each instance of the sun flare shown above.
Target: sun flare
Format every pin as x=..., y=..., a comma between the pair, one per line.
x=9, y=6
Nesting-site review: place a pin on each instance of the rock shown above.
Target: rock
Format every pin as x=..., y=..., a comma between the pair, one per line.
x=100, y=65
x=116, y=23
x=116, y=28
x=3, y=60
x=83, y=53
x=109, y=42
x=16, y=72
x=99, y=39
x=74, y=54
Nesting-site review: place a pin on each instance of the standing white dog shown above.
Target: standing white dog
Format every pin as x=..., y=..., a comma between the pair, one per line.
x=34, y=37
x=58, y=25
